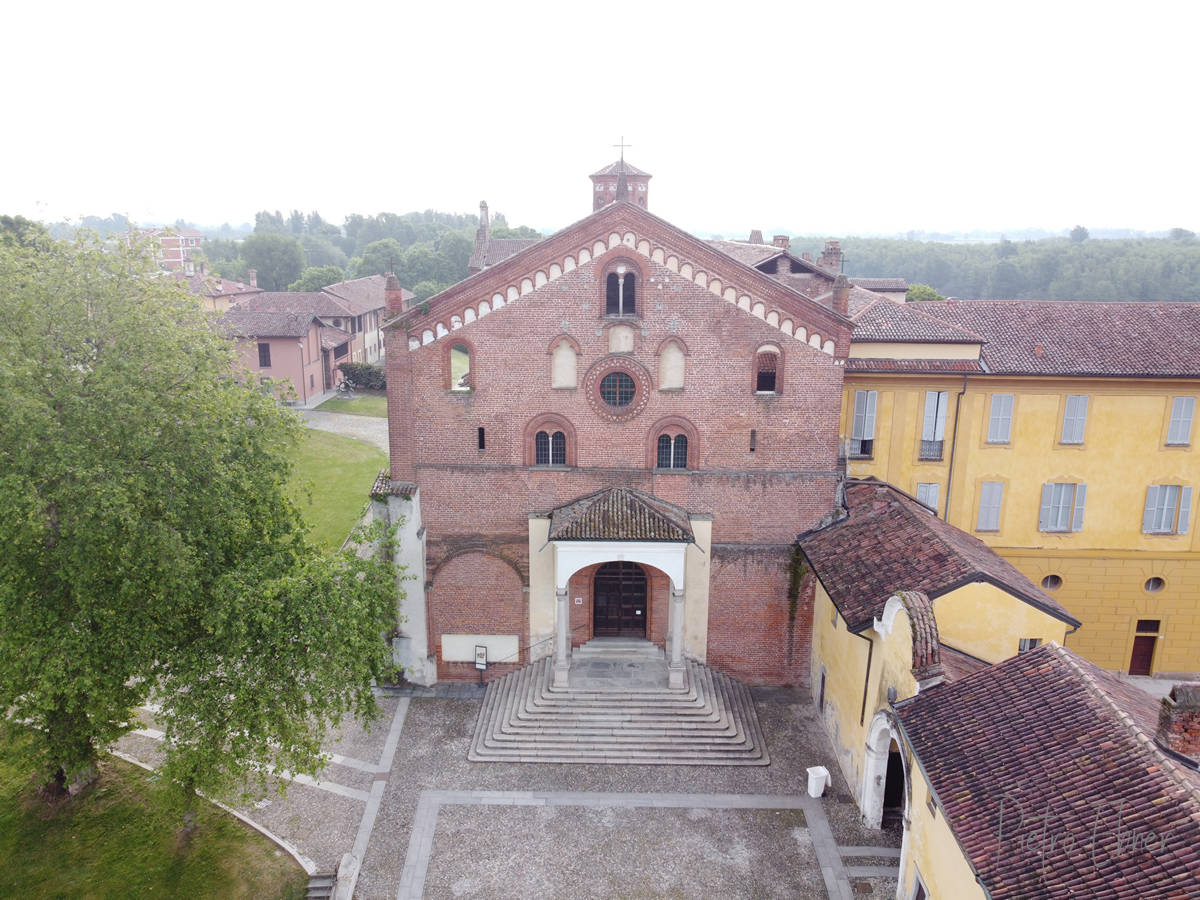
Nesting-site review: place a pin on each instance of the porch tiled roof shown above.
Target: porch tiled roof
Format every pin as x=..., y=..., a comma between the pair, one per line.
x=620, y=514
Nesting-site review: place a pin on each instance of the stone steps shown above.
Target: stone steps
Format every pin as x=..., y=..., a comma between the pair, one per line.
x=711, y=722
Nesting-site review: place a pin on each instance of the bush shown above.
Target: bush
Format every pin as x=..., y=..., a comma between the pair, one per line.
x=368, y=376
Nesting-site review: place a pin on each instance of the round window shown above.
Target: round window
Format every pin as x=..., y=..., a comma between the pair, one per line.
x=1155, y=584
x=1052, y=582
x=617, y=389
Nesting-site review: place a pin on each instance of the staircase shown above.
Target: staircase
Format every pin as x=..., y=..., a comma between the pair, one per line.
x=618, y=709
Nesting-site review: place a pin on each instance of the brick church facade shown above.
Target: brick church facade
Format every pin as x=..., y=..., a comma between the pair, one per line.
x=617, y=430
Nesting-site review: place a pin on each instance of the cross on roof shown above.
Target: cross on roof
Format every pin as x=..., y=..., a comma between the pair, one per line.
x=622, y=145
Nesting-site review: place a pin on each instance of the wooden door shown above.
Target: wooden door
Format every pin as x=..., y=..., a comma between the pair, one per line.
x=1143, y=654
x=619, y=600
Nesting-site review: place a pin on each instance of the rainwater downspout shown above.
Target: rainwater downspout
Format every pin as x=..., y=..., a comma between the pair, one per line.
x=862, y=716
x=953, y=447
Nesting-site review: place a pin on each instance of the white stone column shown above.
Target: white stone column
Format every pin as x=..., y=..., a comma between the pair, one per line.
x=675, y=670
x=562, y=638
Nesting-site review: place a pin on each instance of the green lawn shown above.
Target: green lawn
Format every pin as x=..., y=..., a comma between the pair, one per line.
x=364, y=403
x=118, y=839
x=332, y=478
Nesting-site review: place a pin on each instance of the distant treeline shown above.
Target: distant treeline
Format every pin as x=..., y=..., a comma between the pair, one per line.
x=1075, y=268
x=428, y=250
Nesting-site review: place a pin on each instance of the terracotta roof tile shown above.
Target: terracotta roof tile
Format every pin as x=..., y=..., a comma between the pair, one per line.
x=496, y=250
x=1039, y=337
x=892, y=322
x=1091, y=806
x=881, y=284
x=318, y=303
x=958, y=665
x=889, y=542
x=620, y=514
x=916, y=366
x=616, y=168
x=362, y=295
x=744, y=252
x=254, y=323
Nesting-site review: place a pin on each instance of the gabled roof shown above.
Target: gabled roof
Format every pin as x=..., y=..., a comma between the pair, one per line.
x=1082, y=338
x=496, y=250
x=332, y=338
x=881, y=284
x=242, y=321
x=620, y=514
x=362, y=295
x=1064, y=752
x=212, y=286
x=890, y=542
x=317, y=303
x=888, y=321
x=745, y=252
x=620, y=167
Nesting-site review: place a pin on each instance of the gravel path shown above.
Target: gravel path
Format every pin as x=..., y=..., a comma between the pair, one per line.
x=372, y=430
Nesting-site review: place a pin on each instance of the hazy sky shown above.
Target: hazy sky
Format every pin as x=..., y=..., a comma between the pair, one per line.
x=830, y=118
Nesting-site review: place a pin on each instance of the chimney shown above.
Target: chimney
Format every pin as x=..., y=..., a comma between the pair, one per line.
x=484, y=232
x=841, y=296
x=782, y=241
x=806, y=256
x=1179, y=720
x=756, y=237
x=831, y=256
x=393, y=295
x=253, y=276
x=189, y=268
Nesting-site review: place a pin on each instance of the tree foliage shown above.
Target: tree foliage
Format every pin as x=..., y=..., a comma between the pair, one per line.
x=1079, y=234
x=315, y=278
x=151, y=549
x=919, y=292
x=278, y=258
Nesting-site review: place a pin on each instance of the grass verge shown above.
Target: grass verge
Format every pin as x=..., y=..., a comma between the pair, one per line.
x=364, y=403
x=117, y=839
x=330, y=483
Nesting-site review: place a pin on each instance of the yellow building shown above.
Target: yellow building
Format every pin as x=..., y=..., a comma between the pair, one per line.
x=1061, y=434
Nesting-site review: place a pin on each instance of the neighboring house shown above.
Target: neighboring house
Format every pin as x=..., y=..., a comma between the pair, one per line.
x=217, y=294
x=1061, y=434
x=174, y=247
x=293, y=348
x=489, y=250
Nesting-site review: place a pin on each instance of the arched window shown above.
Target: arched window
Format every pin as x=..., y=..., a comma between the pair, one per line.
x=672, y=451
x=460, y=368
x=766, y=371
x=550, y=448
x=620, y=292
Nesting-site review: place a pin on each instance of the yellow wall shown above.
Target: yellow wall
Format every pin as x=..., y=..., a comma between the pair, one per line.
x=844, y=658
x=1124, y=452
x=987, y=622
x=883, y=350
x=934, y=852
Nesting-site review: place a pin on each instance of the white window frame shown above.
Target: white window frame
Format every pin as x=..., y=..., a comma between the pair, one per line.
x=1062, y=506
x=933, y=428
x=1168, y=509
x=1074, y=422
x=1000, y=419
x=991, y=501
x=1024, y=645
x=1179, y=427
x=862, y=427
x=927, y=493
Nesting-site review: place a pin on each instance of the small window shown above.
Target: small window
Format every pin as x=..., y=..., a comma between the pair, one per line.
x=862, y=440
x=1168, y=509
x=1024, y=645
x=264, y=356
x=1000, y=419
x=766, y=366
x=1062, y=507
x=1179, y=431
x=1148, y=626
x=620, y=290
x=991, y=495
x=1052, y=582
x=933, y=430
x=460, y=368
x=550, y=448
x=481, y=439
x=927, y=493
x=617, y=389
x=341, y=350
x=1074, y=419
x=672, y=451
x=1154, y=585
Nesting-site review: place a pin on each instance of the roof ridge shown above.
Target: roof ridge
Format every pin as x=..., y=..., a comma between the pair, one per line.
x=1144, y=741
x=936, y=321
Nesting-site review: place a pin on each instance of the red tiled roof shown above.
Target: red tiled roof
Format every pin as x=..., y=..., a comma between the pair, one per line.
x=318, y=303
x=889, y=542
x=744, y=252
x=616, y=168
x=254, y=323
x=881, y=284
x=916, y=366
x=212, y=286
x=891, y=322
x=333, y=337
x=1053, y=785
x=363, y=295
x=496, y=250
x=958, y=665
x=620, y=514
x=1040, y=337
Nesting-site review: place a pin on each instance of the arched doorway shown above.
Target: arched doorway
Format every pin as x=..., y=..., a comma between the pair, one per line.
x=893, y=789
x=619, y=600
x=884, y=789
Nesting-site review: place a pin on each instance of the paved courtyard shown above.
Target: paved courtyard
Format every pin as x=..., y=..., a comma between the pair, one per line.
x=426, y=822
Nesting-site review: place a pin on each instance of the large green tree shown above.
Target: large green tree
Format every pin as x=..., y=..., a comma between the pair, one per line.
x=150, y=548
x=316, y=277
x=278, y=258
